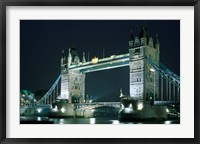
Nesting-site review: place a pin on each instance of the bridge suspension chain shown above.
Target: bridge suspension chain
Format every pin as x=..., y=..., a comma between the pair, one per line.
x=165, y=72
x=169, y=84
x=51, y=95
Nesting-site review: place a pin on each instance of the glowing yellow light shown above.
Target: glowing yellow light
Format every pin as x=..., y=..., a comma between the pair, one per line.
x=95, y=60
x=112, y=56
x=167, y=110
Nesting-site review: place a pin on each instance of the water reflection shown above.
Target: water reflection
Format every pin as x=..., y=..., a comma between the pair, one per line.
x=82, y=120
x=39, y=118
x=168, y=122
x=92, y=120
x=115, y=122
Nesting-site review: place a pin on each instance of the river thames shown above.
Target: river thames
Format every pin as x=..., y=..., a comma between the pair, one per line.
x=81, y=120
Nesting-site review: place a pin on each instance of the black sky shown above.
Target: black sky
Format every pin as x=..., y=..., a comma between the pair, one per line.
x=41, y=43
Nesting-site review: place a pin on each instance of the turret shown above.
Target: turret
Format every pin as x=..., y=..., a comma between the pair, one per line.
x=63, y=57
x=151, y=42
x=83, y=60
x=136, y=41
x=69, y=58
x=76, y=60
x=63, y=62
x=131, y=41
x=143, y=36
x=157, y=44
x=121, y=93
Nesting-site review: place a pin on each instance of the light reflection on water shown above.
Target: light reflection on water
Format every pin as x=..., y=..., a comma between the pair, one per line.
x=92, y=120
x=97, y=120
x=39, y=118
x=167, y=122
x=115, y=121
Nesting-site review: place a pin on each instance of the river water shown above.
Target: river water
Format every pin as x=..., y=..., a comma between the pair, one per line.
x=81, y=120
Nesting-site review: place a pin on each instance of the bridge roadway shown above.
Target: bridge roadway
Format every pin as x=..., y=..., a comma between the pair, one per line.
x=95, y=105
x=96, y=64
x=77, y=105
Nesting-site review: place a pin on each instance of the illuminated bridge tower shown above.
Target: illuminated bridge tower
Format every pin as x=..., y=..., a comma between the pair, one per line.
x=64, y=78
x=72, y=81
x=144, y=81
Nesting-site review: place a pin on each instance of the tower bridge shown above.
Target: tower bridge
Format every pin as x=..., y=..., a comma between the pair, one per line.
x=150, y=81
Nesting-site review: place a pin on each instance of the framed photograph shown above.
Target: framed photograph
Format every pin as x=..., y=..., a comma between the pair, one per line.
x=99, y=71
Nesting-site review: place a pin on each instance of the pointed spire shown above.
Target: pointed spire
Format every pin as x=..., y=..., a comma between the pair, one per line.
x=131, y=37
x=103, y=52
x=69, y=58
x=157, y=45
x=150, y=41
x=121, y=93
x=144, y=33
x=63, y=53
x=69, y=55
x=62, y=58
x=157, y=41
x=83, y=60
x=88, y=56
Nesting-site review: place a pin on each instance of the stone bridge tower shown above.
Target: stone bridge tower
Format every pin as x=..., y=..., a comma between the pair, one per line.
x=144, y=80
x=72, y=81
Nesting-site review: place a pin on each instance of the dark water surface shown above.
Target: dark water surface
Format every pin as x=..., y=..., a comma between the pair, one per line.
x=81, y=120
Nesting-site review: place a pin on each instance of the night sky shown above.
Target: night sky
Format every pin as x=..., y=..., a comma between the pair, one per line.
x=42, y=41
